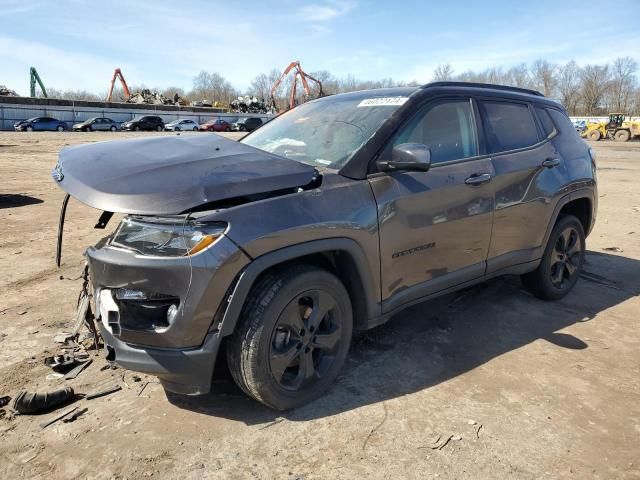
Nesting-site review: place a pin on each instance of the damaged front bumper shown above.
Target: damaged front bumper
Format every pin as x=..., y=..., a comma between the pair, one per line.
x=186, y=371
x=157, y=315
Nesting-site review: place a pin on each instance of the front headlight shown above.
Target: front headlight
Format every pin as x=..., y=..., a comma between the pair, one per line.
x=166, y=239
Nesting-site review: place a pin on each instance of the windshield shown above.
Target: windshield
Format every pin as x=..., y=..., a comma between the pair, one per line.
x=325, y=132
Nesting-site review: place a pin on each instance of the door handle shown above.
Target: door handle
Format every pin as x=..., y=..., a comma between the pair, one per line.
x=551, y=162
x=478, y=179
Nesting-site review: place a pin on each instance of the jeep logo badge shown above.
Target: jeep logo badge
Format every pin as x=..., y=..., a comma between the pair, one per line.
x=56, y=173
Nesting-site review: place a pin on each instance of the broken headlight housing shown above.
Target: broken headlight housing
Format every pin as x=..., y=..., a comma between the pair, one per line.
x=166, y=238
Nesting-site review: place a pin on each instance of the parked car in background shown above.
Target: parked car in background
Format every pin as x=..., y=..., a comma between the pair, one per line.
x=246, y=124
x=96, y=123
x=216, y=125
x=146, y=122
x=40, y=124
x=580, y=125
x=181, y=125
x=331, y=218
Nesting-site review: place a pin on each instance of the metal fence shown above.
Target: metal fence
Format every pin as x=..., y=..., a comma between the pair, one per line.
x=11, y=113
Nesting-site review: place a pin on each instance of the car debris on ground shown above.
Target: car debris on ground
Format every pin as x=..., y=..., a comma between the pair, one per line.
x=28, y=403
x=102, y=393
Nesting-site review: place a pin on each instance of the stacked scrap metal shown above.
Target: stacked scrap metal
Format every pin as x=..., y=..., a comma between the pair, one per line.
x=248, y=105
x=154, y=98
x=7, y=92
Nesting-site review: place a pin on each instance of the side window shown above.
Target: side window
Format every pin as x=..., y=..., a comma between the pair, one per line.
x=545, y=120
x=446, y=128
x=508, y=126
x=561, y=120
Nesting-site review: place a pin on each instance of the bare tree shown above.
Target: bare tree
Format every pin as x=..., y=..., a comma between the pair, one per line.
x=74, y=95
x=518, y=76
x=260, y=87
x=170, y=92
x=543, y=75
x=594, y=83
x=212, y=86
x=569, y=85
x=622, y=83
x=442, y=73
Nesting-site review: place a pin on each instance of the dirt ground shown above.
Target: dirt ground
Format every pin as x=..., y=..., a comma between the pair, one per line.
x=519, y=387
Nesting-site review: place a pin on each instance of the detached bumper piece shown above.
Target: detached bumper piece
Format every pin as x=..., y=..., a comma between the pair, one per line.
x=183, y=371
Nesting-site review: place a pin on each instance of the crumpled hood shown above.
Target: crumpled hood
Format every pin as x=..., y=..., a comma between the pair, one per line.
x=172, y=174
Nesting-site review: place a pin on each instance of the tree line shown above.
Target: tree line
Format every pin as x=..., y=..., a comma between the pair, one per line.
x=589, y=90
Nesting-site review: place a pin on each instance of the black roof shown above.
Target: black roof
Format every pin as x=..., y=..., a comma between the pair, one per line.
x=491, y=86
x=407, y=91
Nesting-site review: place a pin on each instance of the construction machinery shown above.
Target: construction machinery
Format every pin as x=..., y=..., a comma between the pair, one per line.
x=298, y=72
x=34, y=77
x=117, y=73
x=618, y=128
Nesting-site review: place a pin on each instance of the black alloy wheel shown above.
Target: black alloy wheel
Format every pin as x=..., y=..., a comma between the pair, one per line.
x=292, y=338
x=561, y=263
x=565, y=258
x=304, y=342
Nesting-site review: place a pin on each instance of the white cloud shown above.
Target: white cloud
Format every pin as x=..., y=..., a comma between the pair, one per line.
x=323, y=12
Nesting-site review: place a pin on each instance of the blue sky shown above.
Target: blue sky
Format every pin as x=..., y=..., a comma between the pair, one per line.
x=76, y=44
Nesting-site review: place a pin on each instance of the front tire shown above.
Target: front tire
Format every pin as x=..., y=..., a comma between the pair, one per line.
x=113, y=128
x=159, y=128
x=594, y=135
x=136, y=128
x=29, y=128
x=292, y=338
x=561, y=263
x=60, y=128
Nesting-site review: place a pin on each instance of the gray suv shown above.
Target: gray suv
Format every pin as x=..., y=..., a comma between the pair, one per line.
x=327, y=220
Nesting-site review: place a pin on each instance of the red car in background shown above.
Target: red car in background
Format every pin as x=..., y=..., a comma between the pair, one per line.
x=216, y=125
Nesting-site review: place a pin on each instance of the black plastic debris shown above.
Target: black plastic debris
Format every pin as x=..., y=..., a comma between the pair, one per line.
x=27, y=403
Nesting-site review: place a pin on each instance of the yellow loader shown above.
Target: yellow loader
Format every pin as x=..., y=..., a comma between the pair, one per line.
x=617, y=128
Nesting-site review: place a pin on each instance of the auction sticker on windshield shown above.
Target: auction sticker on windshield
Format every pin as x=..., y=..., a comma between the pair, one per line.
x=382, y=101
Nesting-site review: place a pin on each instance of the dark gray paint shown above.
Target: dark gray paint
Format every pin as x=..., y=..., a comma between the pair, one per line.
x=173, y=174
x=474, y=232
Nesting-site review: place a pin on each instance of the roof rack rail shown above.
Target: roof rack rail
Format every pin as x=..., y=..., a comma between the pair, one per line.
x=483, y=85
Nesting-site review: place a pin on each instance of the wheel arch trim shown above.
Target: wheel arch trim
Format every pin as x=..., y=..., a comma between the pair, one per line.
x=580, y=193
x=247, y=278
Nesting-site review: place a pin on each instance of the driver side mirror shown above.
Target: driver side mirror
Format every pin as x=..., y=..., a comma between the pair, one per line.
x=412, y=157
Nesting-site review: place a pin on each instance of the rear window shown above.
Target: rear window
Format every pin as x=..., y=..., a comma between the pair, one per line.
x=545, y=120
x=508, y=126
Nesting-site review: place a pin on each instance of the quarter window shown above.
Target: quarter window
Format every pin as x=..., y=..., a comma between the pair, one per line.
x=446, y=128
x=545, y=120
x=509, y=126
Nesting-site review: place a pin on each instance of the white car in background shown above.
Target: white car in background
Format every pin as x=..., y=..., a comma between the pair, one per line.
x=182, y=125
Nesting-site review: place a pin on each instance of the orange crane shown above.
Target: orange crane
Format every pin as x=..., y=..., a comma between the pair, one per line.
x=299, y=72
x=118, y=73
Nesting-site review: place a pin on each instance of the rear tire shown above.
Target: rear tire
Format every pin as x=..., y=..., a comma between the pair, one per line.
x=159, y=128
x=594, y=135
x=292, y=337
x=561, y=262
x=622, y=136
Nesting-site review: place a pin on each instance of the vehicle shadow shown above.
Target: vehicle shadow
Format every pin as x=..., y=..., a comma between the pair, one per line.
x=9, y=200
x=438, y=340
